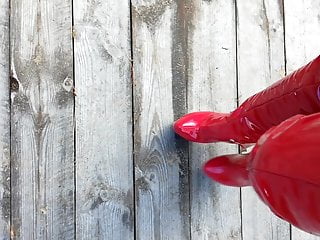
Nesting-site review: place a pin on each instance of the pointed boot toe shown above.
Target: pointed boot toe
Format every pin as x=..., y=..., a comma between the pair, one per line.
x=195, y=127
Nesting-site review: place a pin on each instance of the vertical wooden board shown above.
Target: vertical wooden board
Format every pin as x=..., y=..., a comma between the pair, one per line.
x=161, y=166
x=215, y=209
x=298, y=234
x=4, y=122
x=302, y=24
x=42, y=120
x=260, y=63
x=104, y=167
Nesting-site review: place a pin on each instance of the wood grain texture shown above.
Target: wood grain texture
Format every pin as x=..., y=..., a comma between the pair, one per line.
x=4, y=122
x=302, y=24
x=161, y=164
x=185, y=56
x=104, y=164
x=260, y=63
x=42, y=120
x=215, y=209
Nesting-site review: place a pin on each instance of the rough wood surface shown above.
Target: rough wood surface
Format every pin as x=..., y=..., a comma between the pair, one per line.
x=302, y=24
x=4, y=122
x=215, y=209
x=104, y=166
x=161, y=166
x=260, y=63
x=42, y=120
x=93, y=156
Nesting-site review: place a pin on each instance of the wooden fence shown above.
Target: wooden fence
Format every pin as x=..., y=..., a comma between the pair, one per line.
x=89, y=90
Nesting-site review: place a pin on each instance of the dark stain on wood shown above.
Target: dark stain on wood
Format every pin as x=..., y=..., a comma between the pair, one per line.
x=142, y=184
x=128, y=217
x=5, y=188
x=266, y=28
x=102, y=193
x=181, y=60
x=36, y=121
x=6, y=196
x=14, y=84
x=159, y=152
x=90, y=15
x=151, y=14
x=105, y=193
x=281, y=8
x=105, y=54
x=234, y=234
x=96, y=203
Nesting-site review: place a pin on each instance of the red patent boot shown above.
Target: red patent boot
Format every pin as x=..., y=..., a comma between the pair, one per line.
x=284, y=170
x=297, y=93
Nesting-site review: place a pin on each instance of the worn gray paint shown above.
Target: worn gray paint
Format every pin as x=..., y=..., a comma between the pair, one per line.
x=4, y=122
x=41, y=120
x=104, y=164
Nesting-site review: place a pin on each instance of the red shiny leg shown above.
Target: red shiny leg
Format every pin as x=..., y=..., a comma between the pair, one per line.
x=229, y=170
x=283, y=168
x=297, y=93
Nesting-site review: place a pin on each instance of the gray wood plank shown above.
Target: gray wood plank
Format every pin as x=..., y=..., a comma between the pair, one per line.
x=42, y=120
x=302, y=24
x=260, y=62
x=215, y=209
x=4, y=122
x=104, y=164
x=161, y=163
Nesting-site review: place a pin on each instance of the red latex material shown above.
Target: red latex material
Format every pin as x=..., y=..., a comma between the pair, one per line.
x=229, y=170
x=284, y=169
x=298, y=93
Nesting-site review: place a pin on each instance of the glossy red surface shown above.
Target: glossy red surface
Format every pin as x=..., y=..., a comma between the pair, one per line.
x=283, y=168
x=293, y=200
x=297, y=93
x=298, y=141
x=196, y=127
x=228, y=170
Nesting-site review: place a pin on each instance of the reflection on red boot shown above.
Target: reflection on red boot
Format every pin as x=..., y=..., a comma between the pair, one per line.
x=283, y=168
x=297, y=93
x=194, y=127
x=230, y=170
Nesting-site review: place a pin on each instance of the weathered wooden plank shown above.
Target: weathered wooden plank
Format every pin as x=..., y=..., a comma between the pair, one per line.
x=42, y=120
x=302, y=24
x=260, y=63
x=104, y=172
x=298, y=234
x=215, y=209
x=161, y=166
x=4, y=122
